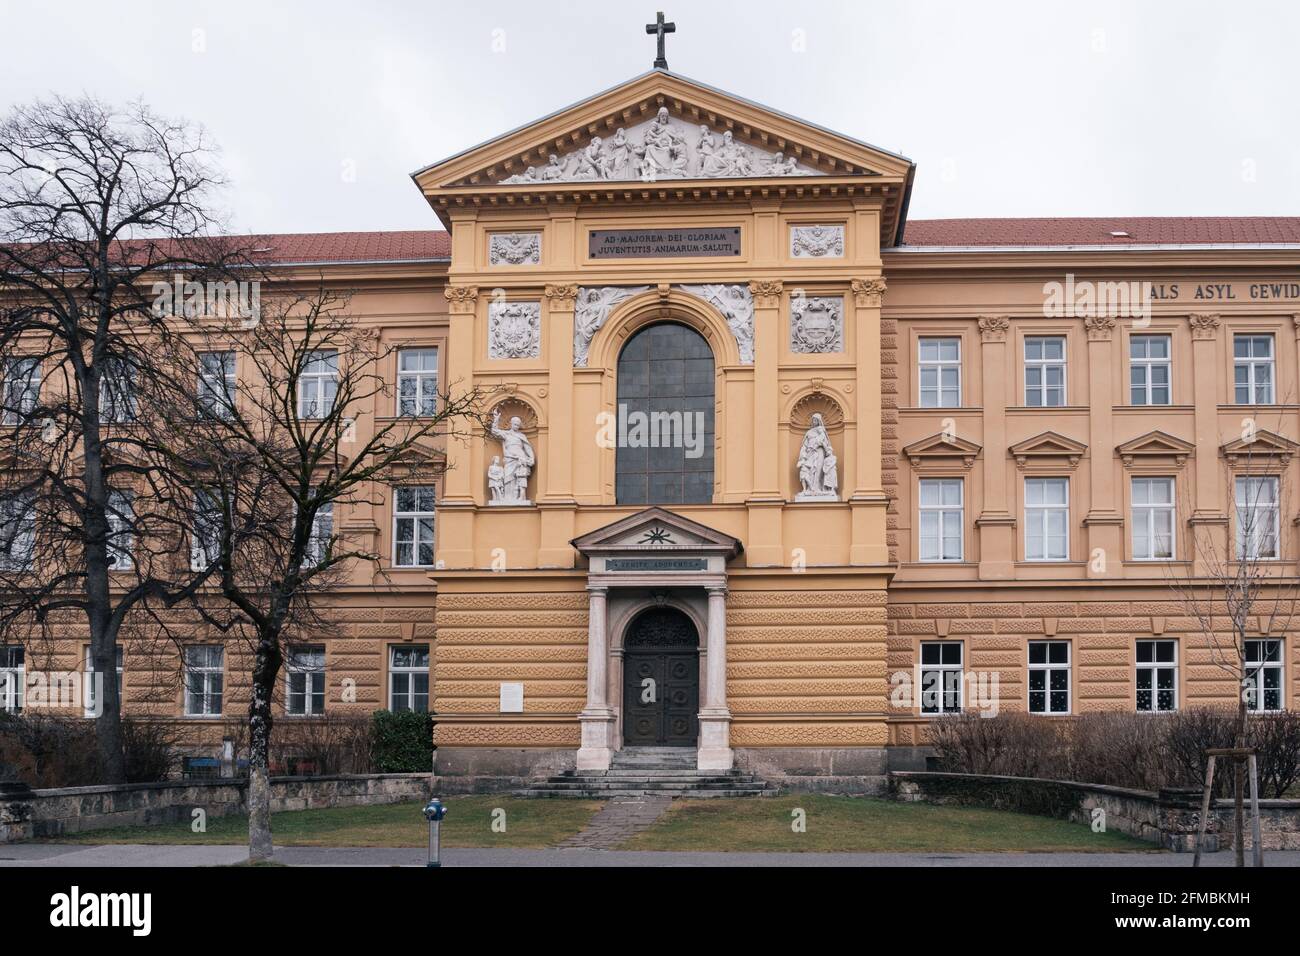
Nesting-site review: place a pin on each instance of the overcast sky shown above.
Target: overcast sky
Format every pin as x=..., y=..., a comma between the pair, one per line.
x=324, y=108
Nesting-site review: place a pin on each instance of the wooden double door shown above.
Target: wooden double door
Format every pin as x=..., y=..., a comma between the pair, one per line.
x=661, y=680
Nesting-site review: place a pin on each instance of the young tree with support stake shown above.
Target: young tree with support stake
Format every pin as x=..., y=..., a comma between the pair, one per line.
x=96, y=204
x=298, y=440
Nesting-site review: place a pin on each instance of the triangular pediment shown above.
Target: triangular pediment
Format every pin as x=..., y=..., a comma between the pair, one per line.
x=656, y=530
x=1048, y=445
x=663, y=131
x=1261, y=444
x=1155, y=444
x=943, y=447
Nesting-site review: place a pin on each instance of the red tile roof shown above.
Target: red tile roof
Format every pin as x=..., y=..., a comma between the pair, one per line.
x=1183, y=230
x=298, y=247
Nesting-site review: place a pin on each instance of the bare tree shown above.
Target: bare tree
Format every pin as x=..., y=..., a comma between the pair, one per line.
x=294, y=441
x=1236, y=589
x=96, y=206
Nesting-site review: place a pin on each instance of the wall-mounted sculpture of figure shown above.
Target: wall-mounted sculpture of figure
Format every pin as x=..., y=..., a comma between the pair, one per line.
x=664, y=147
x=818, y=466
x=736, y=303
x=512, y=481
x=590, y=312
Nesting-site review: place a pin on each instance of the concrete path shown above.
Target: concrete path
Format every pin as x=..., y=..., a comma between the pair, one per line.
x=618, y=820
x=51, y=854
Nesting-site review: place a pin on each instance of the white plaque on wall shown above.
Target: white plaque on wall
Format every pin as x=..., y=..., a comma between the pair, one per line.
x=512, y=698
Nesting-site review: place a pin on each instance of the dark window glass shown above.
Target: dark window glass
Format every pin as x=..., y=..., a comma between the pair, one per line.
x=664, y=453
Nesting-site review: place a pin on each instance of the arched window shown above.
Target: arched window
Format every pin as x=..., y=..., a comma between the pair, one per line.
x=665, y=418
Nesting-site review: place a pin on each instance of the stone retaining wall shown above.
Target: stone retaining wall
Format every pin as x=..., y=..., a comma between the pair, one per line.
x=1169, y=818
x=33, y=814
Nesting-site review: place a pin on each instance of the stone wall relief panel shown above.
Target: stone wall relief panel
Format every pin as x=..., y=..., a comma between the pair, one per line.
x=514, y=248
x=593, y=306
x=514, y=330
x=816, y=324
x=736, y=303
x=817, y=242
x=664, y=147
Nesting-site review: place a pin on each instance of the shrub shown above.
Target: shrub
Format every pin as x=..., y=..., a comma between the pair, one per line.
x=1119, y=749
x=321, y=746
x=1189, y=734
x=1276, y=739
x=402, y=742
x=1016, y=745
x=149, y=747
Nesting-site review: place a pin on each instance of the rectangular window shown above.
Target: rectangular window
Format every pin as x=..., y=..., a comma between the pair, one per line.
x=1049, y=677
x=1153, y=519
x=216, y=393
x=417, y=382
x=205, y=540
x=1157, y=677
x=17, y=531
x=318, y=383
x=13, y=678
x=1263, y=675
x=91, y=692
x=1047, y=519
x=203, y=679
x=939, y=372
x=322, y=534
x=121, y=521
x=117, y=398
x=408, y=678
x=941, y=513
x=1045, y=371
x=413, y=526
x=941, y=677
x=306, y=679
x=1252, y=369
x=1148, y=370
x=22, y=390
x=1257, y=519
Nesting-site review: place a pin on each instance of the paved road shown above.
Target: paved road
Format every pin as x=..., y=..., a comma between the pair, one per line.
x=54, y=854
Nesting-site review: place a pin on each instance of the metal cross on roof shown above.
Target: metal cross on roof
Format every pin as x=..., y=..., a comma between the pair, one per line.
x=659, y=28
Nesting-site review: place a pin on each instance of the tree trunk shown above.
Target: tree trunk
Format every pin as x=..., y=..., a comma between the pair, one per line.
x=265, y=668
x=1238, y=783
x=108, y=723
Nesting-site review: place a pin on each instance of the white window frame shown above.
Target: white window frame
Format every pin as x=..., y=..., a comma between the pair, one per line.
x=213, y=679
x=1144, y=539
x=1146, y=363
x=1042, y=365
x=411, y=534
x=1257, y=392
x=303, y=663
x=938, y=696
x=17, y=531
x=1045, y=510
x=318, y=383
x=1249, y=523
x=422, y=381
x=941, y=367
x=121, y=521
x=216, y=385
x=117, y=395
x=322, y=531
x=1262, y=667
x=22, y=389
x=13, y=667
x=88, y=696
x=1153, y=669
x=410, y=672
x=206, y=520
x=1047, y=667
x=941, y=513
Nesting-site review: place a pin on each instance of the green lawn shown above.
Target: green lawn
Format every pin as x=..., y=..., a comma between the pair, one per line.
x=528, y=823
x=863, y=824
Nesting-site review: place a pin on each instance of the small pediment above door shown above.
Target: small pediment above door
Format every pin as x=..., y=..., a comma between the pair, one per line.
x=943, y=449
x=1049, y=447
x=1153, y=447
x=656, y=530
x=1261, y=445
x=421, y=459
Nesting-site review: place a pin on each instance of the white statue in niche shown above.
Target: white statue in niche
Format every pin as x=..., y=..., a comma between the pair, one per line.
x=818, y=467
x=520, y=459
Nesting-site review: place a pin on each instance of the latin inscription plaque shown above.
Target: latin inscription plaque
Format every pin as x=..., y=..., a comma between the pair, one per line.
x=663, y=243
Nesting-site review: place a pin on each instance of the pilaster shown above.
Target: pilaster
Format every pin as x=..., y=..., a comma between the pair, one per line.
x=997, y=527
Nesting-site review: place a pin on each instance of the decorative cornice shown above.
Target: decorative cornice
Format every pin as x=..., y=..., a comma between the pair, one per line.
x=766, y=292
x=461, y=299
x=1099, y=327
x=993, y=328
x=867, y=293
x=1205, y=325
